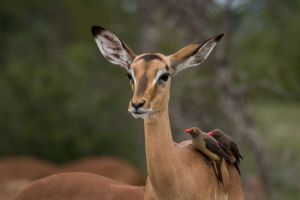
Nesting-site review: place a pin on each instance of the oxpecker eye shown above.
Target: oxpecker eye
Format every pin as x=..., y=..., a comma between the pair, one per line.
x=163, y=78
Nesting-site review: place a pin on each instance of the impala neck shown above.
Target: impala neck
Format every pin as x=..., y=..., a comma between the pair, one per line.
x=161, y=153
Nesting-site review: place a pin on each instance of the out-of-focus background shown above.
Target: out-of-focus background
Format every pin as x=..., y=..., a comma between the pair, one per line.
x=61, y=101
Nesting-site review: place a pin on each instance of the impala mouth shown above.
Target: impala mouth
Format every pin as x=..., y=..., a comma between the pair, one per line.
x=138, y=113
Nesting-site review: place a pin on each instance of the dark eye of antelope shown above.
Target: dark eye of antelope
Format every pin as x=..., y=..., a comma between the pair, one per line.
x=163, y=78
x=130, y=78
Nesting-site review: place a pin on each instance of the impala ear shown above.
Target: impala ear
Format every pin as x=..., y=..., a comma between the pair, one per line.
x=193, y=55
x=112, y=48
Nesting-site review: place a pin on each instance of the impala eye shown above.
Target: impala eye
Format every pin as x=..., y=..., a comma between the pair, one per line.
x=130, y=78
x=163, y=78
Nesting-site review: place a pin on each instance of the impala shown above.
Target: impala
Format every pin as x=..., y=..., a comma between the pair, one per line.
x=174, y=171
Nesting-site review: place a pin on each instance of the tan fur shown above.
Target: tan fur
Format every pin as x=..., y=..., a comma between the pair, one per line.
x=79, y=186
x=179, y=173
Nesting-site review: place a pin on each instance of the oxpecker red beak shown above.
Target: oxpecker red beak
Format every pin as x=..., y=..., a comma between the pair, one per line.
x=188, y=130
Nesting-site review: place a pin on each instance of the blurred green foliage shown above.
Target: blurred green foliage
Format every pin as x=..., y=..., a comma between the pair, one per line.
x=267, y=49
x=280, y=125
x=59, y=99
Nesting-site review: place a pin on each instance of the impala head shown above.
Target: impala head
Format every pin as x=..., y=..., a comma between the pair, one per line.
x=150, y=74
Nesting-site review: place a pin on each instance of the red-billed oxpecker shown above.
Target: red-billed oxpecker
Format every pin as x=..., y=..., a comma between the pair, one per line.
x=209, y=147
x=227, y=143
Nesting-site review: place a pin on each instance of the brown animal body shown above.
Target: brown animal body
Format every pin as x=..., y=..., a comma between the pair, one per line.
x=113, y=168
x=79, y=186
x=25, y=168
x=17, y=172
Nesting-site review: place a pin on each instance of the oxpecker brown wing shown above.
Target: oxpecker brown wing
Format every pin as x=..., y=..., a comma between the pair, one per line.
x=224, y=147
x=235, y=150
x=214, y=147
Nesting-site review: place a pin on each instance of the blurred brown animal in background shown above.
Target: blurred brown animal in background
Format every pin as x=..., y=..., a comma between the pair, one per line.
x=113, y=168
x=17, y=172
x=79, y=186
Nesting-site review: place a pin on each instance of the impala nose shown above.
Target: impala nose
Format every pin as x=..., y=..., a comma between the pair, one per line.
x=137, y=104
